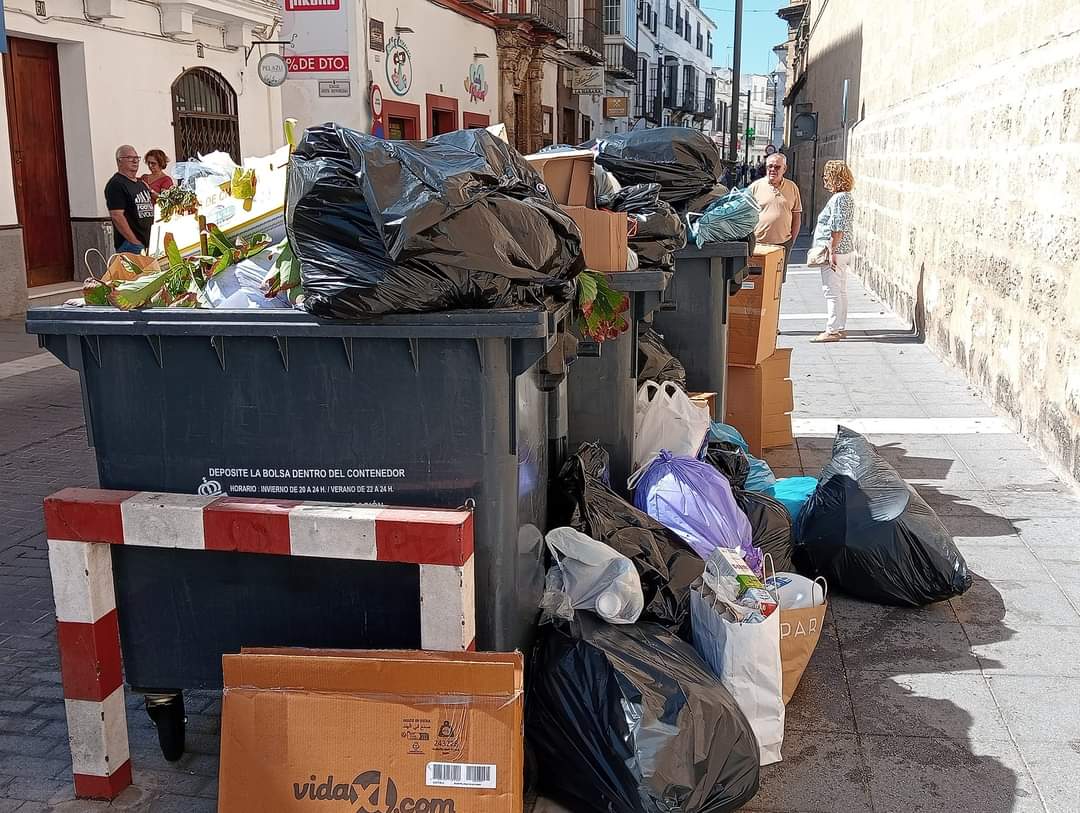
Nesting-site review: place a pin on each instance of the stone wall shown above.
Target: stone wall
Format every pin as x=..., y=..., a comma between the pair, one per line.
x=964, y=137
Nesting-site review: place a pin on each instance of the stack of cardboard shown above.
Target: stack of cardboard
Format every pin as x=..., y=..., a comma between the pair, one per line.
x=569, y=177
x=760, y=396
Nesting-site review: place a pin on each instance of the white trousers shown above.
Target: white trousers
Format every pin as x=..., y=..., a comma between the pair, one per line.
x=834, y=285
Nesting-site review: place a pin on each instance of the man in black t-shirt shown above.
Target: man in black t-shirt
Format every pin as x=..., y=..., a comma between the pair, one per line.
x=129, y=202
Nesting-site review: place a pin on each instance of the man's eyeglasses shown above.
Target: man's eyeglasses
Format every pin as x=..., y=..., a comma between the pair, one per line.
x=773, y=166
x=129, y=158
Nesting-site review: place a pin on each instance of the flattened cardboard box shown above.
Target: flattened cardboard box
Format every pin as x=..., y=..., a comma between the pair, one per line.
x=372, y=731
x=567, y=175
x=603, y=238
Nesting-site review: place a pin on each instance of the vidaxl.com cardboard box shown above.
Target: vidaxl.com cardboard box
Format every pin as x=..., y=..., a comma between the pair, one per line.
x=372, y=732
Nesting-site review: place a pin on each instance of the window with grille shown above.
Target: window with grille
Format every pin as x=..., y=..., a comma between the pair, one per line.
x=613, y=16
x=204, y=115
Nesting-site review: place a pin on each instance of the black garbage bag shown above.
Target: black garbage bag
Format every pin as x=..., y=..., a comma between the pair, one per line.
x=769, y=520
x=459, y=221
x=872, y=536
x=629, y=719
x=655, y=361
x=666, y=564
x=730, y=460
x=657, y=230
x=771, y=526
x=686, y=163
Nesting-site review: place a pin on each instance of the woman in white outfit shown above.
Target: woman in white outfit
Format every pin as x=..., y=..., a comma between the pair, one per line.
x=833, y=230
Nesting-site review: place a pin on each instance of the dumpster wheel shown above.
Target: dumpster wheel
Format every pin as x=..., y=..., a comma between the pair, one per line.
x=167, y=713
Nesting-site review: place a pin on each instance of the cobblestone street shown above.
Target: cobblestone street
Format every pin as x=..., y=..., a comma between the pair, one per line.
x=968, y=705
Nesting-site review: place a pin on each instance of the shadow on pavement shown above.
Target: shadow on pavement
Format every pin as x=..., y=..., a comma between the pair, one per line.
x=894, y=713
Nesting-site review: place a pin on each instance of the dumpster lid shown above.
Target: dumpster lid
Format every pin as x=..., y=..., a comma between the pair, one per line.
x=649, y=280
x=727, y=249
x=513, y=323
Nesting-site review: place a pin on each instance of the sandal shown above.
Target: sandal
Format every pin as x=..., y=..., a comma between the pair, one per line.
x=827, y=337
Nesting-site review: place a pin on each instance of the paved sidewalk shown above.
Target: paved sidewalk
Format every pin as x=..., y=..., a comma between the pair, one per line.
x=969, y=705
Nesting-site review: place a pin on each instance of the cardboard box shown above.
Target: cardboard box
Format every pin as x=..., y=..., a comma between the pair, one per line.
x=603, y=238
x=760, y=400
x=372, y=730
x=705, y=400
x=754, y=312
x=568, y=175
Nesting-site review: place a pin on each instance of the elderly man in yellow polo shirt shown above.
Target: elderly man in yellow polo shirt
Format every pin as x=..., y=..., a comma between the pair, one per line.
x=781, y=206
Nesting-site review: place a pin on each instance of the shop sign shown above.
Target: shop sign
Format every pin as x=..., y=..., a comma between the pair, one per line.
x=318, y=31
x=475, y=84
x=586, y=81
x=376, y=36
x=272, y=70
x=398, y=66
x=616, y=107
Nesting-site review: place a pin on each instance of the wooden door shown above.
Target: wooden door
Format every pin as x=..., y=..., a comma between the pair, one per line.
x=32, y=84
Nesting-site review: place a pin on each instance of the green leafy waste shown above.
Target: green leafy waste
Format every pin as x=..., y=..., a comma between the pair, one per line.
x=600, y=308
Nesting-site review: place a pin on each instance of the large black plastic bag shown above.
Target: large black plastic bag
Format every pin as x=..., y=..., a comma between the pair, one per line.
x=686, y=163
x=656, y=363
x=629, y=719
x=665, y=563
x=658, y=231
x=459, y=221
x=872, y=536
x=770, y=525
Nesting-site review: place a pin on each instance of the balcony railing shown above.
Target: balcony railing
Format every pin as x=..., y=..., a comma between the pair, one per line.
x=586, y=39
x=621, y=60
x=549, y=15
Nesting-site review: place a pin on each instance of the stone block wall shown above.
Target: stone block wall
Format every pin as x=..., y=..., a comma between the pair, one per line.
x=966, y=150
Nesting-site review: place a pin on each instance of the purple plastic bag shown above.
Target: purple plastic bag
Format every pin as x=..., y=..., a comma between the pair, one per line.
x=693, y=499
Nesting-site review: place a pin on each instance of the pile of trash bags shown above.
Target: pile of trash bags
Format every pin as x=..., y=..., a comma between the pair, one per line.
x=457, y=221
x=679, y=623
x=684, y=162
x=656, y=230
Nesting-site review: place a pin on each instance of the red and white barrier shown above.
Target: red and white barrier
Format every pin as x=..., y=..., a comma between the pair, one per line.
x=81, y=524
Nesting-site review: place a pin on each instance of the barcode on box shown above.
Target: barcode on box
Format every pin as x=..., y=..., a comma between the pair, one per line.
x=459, y=775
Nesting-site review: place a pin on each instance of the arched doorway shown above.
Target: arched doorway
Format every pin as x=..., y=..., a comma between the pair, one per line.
x=204, y=114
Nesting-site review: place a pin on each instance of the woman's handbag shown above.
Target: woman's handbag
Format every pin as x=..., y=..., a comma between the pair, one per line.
x=818, y=256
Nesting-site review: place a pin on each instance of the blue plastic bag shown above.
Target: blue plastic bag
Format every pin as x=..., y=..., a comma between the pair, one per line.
x=732, y=217
x=761, y=476
x=695, y=501
x=793, y=492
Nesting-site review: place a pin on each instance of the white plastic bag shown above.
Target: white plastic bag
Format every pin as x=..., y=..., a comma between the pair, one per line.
x=666, y=418
x=589, y=575
x=746, y=657
x=795, y=592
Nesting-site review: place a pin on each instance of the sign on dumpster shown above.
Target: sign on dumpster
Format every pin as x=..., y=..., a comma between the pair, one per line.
x=320, y=45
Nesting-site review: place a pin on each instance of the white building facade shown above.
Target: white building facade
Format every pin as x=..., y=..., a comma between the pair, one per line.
x=435, y=67
x=675, y=82
x=89, y=75
x=757, y=111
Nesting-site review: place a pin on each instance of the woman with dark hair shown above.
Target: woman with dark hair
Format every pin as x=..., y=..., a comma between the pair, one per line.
x=156, y=178
x=833, y=234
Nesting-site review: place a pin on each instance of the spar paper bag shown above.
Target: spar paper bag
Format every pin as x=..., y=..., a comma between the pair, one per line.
x=800, y=630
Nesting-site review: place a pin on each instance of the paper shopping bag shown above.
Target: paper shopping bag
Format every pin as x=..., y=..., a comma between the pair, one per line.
x=800, y=631
x=746, y=658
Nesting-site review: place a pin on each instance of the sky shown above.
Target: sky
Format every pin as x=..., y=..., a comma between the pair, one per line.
x=762, y=29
